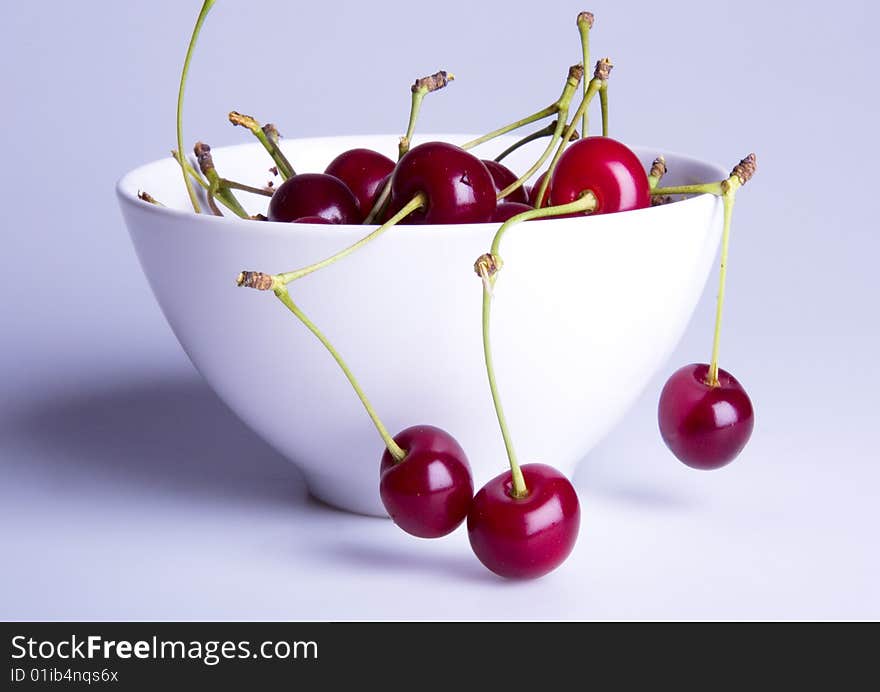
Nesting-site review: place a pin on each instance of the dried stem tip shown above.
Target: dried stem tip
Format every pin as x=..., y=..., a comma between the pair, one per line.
x=147, y=197
x=603, y=69
x=745, y=169
x=576, y=73
x=487, y=265
x=586, y=18
x=203, y=156
x=257, y=280
x=243, y=120
x=658, y=167
x=438, y=80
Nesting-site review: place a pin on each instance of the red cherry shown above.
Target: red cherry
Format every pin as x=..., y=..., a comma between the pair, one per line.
x=704, y=426
x=458, y=186
x=311, y=219
x=502, y=176
x=605, y=167
x=505, y=210
x=314, y=194
x=533, y=191
x=525, y=538
x=364, y=171
x=429, y=493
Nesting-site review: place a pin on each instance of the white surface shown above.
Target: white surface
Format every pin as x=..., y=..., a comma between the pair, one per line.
x=164, y=506
x=586, y=310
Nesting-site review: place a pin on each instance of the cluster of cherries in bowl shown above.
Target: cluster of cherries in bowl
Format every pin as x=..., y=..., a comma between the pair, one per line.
x=524, y=522
x=458, y=187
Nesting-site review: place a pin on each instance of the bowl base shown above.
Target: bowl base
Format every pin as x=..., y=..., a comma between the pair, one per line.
x=330, y=492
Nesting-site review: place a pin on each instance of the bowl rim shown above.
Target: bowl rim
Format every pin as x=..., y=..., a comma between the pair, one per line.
x=126, y=193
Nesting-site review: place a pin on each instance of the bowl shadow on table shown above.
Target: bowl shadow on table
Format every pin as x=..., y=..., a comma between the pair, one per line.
x=170, y=436
x=165, y=435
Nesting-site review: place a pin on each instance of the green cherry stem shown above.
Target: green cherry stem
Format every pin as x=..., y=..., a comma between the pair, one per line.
x=726, y=189
x=603, y=69
x=223, y=183
x=603, y=104
x=206, y=8
x=487, y=267
x=227, y=184
x=547, y=131
x=193, y=173
x=418, y=95
x=585, y=203
x=575, y=74
x=420, y=88
x=557, y=134
x=697, y=189
x=267, y=136
x=264, y=282
x=585, y=23
x=394, y=449
x=522, y=122
x=415, y=203
x=519, y=483
x=728, y=197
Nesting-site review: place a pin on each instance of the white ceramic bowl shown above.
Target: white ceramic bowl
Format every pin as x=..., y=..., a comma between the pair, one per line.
x=585, y=311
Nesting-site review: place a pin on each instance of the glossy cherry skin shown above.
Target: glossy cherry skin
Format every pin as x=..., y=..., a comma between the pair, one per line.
x=505, y=210
x=528, y=537
x=314, y=194
x=605, y=167
x=429, y=493
x=364, y=171
x=311, y=219
x=502, y=176
x=458, y=186
x=705, y=427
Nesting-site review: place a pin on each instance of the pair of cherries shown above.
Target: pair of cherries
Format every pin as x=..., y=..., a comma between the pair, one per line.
x=431, y=492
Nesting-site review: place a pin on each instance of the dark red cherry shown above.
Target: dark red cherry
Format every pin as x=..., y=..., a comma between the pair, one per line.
x=429, y=493
x=314, y=194
x=458, y=186
x=364, y=171
x=605, y=167
x=704, y=426
x=525, y=538
x=505, y=210
x=311, y=219
x=533, y=191
x=502, y=176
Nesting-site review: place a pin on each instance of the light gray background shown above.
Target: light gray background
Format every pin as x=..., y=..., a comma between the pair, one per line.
x=129, y=491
